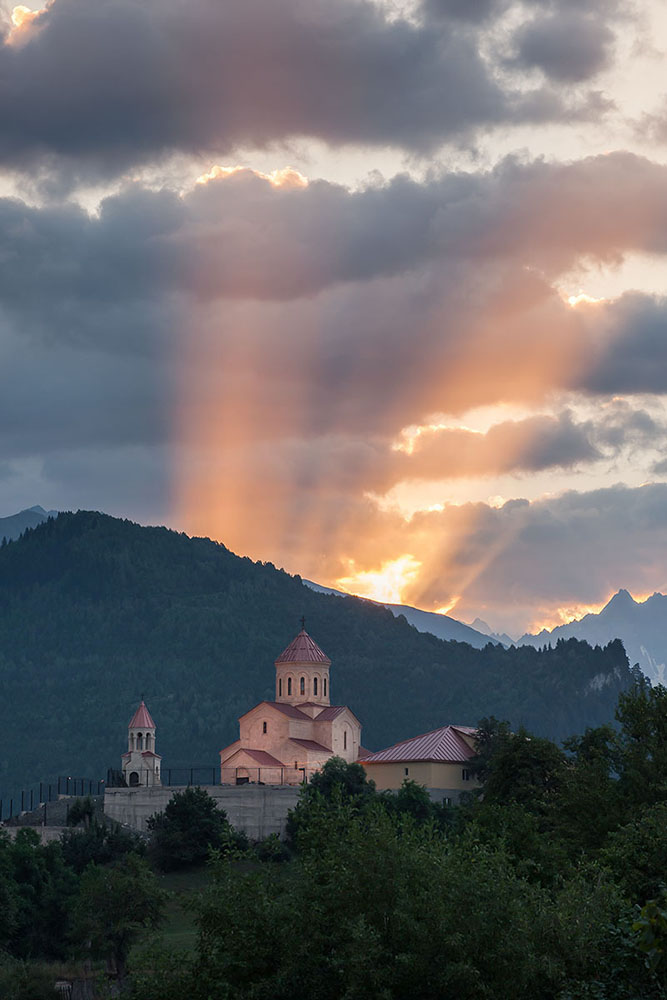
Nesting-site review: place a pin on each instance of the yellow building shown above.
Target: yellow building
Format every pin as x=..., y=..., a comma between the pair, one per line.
x=440, y=760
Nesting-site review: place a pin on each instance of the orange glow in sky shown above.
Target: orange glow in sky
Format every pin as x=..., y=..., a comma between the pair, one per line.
x=387, y=584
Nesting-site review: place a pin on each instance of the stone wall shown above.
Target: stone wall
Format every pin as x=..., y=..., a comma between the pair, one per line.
x=259, y=810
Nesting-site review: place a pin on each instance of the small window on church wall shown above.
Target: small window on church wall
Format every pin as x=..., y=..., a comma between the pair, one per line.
x=407, y=771
x=315, y=686
x=148, y=741
x=325, y=687
x=263, y=727
x=302, y=686
x=131, y=741
x=289, y=685
x=280, y=688
x=139, y=744
x=345, y=739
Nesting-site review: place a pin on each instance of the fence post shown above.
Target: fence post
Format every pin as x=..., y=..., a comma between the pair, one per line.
x=31, y=800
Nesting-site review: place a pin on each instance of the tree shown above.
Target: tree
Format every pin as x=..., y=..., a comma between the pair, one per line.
x=518, y=767
x=81, y=811
x=101, y=843
x=642, y=714
x=335, y=783
x=112, y=905
x=636, y=854
x=189, y=827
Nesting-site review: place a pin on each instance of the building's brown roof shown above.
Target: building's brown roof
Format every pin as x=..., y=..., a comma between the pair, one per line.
x=444, y=744
x=262, y=757
x=233, y=747
x=310, y=745
x=291, y=710
x=329, y=713
x=141, y=719
x=303, y=649
x=363, y=753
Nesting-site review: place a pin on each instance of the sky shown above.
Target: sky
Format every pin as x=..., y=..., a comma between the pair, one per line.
x=374, y=291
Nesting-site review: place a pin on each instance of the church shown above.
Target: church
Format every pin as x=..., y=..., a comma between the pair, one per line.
x=285, y=741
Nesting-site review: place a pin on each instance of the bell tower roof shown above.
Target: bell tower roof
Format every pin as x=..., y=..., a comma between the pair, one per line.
x=303, y=649
x=141, y=718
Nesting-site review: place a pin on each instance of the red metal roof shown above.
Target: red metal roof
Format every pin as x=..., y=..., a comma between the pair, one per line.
x=149, y=753
x=444, y=744
x=310, y=745
x=141, y=719
x=261, y=756
x=303, y=649
x=291, y=710
x=363, y=753
x=329, y=713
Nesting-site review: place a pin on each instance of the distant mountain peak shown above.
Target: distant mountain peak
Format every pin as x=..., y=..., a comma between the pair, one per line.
x=622, y=599
x=481, y=626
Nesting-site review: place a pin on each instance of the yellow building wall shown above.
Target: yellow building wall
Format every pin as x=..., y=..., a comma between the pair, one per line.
x=432, y=774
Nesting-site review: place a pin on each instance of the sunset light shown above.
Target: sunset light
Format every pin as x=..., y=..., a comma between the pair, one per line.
x=387, y=584
x=285, y=177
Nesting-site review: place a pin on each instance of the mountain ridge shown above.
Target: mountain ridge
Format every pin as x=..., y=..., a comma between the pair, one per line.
x=95, y=611
x=640, y=625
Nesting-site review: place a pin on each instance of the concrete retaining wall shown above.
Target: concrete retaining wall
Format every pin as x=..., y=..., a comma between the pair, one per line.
x=259, y=810
x=46, y=833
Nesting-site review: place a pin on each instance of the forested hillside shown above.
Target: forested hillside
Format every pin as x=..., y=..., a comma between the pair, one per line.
x=95, y=612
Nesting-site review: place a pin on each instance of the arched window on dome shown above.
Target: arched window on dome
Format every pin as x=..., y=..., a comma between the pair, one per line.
x=325, y=687
x=315, y=687
x=289, y=686
x=139, y=741
x=302, y=686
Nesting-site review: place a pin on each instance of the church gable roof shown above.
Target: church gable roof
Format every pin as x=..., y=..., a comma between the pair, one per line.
x=311, y=745
x=262, y=757
x=329, y=713
x=444, y=744
x=303, y=649
x=141, y=718
x=291, y=710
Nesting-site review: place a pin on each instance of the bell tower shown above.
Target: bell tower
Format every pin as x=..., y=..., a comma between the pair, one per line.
x=141, y=764
x=302, y=672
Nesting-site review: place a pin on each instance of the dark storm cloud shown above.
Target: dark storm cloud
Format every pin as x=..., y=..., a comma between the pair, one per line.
x=240, y=236
x=524, y=560
x=569, y=47
x=109, y=83
x=633, y=354
x=434, y=289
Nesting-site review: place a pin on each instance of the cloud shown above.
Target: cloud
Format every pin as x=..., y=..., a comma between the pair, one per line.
x=104, y=84
x=632, y=352
x=567, y=46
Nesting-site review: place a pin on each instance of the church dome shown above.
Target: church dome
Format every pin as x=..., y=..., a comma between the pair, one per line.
x=141, y=718
x=303, y=649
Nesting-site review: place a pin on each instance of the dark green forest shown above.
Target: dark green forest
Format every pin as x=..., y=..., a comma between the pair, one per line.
x=96, y=611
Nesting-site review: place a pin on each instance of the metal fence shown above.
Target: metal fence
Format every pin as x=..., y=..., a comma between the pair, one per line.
x=37, y=796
